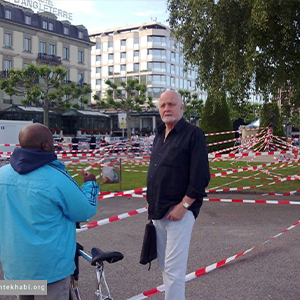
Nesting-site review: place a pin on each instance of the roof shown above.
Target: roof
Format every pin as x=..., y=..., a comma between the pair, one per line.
x=18, y=14
x=122, y=29
x=77, y=112
x=26, y=109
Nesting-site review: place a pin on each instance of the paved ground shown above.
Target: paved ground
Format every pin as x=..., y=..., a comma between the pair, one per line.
x=222, y=230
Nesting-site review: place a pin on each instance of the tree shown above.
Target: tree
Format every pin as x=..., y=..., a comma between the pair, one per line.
x=249, y=112
x=44, y=87
x=127, y=97
x=193, y=106
x=242, y=46
x=216, y=119
x=270, y=117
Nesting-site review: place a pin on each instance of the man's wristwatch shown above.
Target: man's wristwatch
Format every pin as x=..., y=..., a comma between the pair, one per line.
x=185, y=205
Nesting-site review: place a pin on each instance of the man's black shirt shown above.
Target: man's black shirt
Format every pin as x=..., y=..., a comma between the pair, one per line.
x=178, y=167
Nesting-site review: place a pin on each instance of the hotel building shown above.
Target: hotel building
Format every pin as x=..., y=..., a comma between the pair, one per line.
x=146, y=52
x=39, y=38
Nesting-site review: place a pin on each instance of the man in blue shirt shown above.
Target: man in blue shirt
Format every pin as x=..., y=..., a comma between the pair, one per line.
x=177, y=177
x=40, y=204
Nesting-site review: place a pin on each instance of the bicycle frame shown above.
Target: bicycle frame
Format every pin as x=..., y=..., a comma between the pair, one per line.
x=97, y=259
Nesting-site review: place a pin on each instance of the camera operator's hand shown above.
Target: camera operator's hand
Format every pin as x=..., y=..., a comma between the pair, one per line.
x=88, y=176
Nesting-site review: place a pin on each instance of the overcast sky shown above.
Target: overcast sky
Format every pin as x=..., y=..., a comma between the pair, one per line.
x=103, y=14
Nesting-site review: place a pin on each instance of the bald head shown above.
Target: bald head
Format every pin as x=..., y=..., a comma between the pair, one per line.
x=36, y=137
x=173, y=95
x=170, y=108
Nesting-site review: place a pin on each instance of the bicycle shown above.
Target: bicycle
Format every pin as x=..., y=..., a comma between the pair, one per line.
x=97, y=259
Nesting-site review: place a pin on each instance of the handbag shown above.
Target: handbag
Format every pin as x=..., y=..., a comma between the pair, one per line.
x=149, y=250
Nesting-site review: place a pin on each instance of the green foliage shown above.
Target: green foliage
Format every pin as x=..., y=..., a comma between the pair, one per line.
x=270, y=116
x=216, y=119
x=248, y=112
x=242, y=46
x=133, y=99
x=193, y=106
x=44, y=87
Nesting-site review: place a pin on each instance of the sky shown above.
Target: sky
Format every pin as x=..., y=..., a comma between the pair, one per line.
x=98, y=15
x=104, y=14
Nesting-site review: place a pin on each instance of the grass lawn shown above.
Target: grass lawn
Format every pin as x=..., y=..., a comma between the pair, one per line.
x=136, y=178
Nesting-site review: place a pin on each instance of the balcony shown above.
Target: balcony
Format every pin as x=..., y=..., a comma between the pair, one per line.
x=4, y=74
x=49, y=58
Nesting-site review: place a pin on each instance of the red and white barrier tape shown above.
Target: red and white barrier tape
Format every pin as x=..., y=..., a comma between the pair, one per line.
x=111, y=195
x=230, y=155
x=212, y=267
x=144, y=209
x=111, y=219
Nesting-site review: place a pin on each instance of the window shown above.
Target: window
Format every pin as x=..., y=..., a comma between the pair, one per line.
x=110, y=56
x=98, y=57
x=171, y=44
x=98, y=70
x=7, y=40
x=98, y=81
x=110, y=70
x=66, y=79
x=80, y=79
x=172, y=69
x=80, y=56
x=123, y=67
x=66, y=30
x=136, y=53
x=7, y=64
x=50, y=26
x=157, y=53
x=123, y=54
x=42, y=47
x=110, y=44
x=136, y=40
x=8, y=14
x=157, y=40
x=156, y=66
x=173, y=56
x=98, y=45
x=7, y=101
x=123, y=42
x=27, y=44
x=80, y=34
x=172, y=81
x=155, y=92
x=52, y=49
x=28, y=20
x=66, y=53
x=136, y=67
x=45, y=25
x=157, y=79
x=143, y=79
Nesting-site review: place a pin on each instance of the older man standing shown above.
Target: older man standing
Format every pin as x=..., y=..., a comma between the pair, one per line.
x=39, y=207
x=177, y=177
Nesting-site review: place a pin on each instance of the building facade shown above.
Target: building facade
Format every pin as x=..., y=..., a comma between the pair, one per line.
x=145, y=52
x=39, y=38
